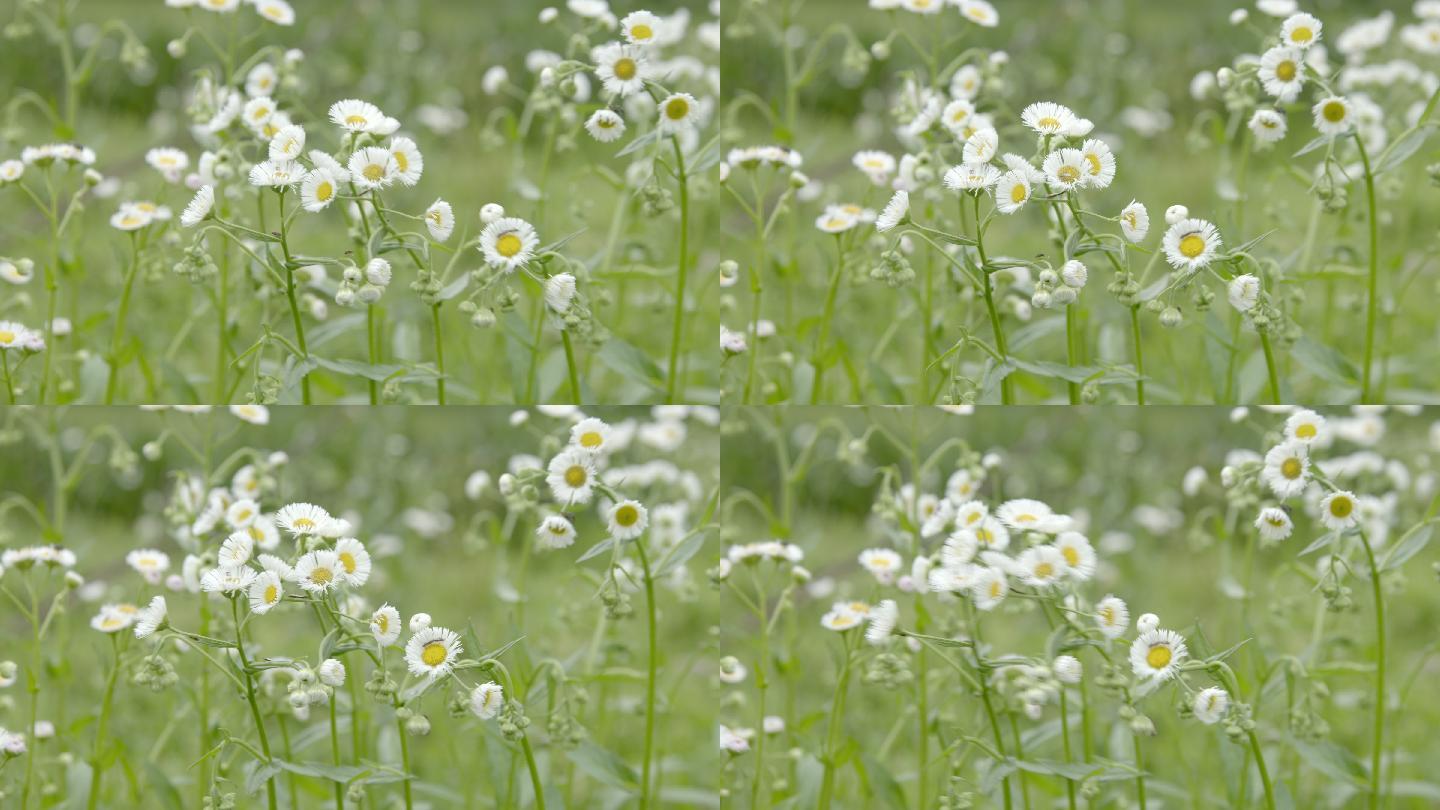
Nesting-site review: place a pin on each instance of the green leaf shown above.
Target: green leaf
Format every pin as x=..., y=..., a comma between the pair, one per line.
x=1325, y=362
x=880, y=782
x=1331, y=760
x=454, y=288
x=355, y=368
x=344, y=774
x=157, y=783
x=1323, y=542
x=631, y=363
x=682, y=553
x=596, y=550
x=1401, y=150
x=1313, y=145
x=1411, y=544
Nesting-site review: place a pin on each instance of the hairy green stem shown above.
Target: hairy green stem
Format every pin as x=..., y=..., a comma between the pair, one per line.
x=1372, y=288
x=1379, y=732
x=652, y=650
x=827, y=315
x=832, y=731
x=96, y=769
x=1007, y=395
x=440, y=354
x=254, y=704
x=124, y=307
x=673, y=384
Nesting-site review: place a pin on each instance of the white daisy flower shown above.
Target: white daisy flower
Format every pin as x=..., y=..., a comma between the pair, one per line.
x=303, y=519
x=1047, y=118
x=318, y=571
x=1268, y=126
x=1332, y=115
x=11, y=171
x=1338, y=511
x=151, y=618
x=168, y=161
x=1274, y=524
x=1079, y=555
x=272, y=174
x=440, y=219
x=1211, y=704
x=1191, y=244
x=957, y=114
x=1282, y=73
x=640, y=27
x=877, y=165
x=571, y=477
x=1024, y=514
x=287, y=144
x=678, y=113
x=560, y=292
x=1243, y=292
x=894, y=212
x=261, y=80
x=356, y=115
x=836, y=220
x=318, y=190
x=882, y=563
x=621, y=69
x=627, y=520
x=989, y=587
x=236, y=550
x=149, y=563
x=591, y=434
x=509, y=243
x=883, y=618
x=373, y=168
x=1066, y=168
x=1012, y=191
x=1112, y=616
x=265, y=592
x=1100, y=163
x=1300, y=30
x=1306, y=426
x=982, y=146
x=276, y=11
x=841, y=620
x=1041, y=566
x=257, y=112
x=1287, y=469
x=113, y=618
x=971, y=177
x=226, y=579
x=409, y=163
x=605, y=125
x=432, y=652
x=1135, y=222
x=1156, y=655
x=555, y=531
x=1067, y=669
x=979, y=12
x=354, y=561
x=321, y=160
x=487, y=698
x=130, y=218
x=199, y=207
x=385, y=625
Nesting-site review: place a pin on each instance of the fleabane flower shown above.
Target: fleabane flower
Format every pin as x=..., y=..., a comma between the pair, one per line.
x=373, y=167
x=265, y=592
x=1135, y=222
x=882, y=563
x=627, y=520
x=640, y=27
x=1079, y=555
x=678, y=113
x=605, y=125
x=980, y=12
x=509, y=243
x=555, y=531
x=1287, y=469
x=1112, y=616
x=151, y=617
x=318, y=571
x=571, y=476
x=989, y=587
x=385, y=625
x=303, y=519
x=1333, y=115
x=894, y=212
x=1066, y=168
x=1305, y=426
x=355, y=115
x=1047, y=118
x=1156, y=655
x=432, y=652
x=591, y=435
x=486, y=700
x=409, y=163
x=1012, y=191
x=199, y=207
x=1300, y=30
x=971, y=177
x=276, y=174
x=318, y=190
x=354, y=561
x=1243, y=292
x=1191, y=244
x=1274, y=524
x=1339, y=511
x=287, y=144
x=622, y=69
x=1041, y=566
x=1268, y=126
x=440, y=220
x=1211, y=704
x=883, y=618
x=1099, y=163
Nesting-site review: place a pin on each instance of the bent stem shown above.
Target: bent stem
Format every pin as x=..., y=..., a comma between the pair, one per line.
x=1372, y=296
x=102, y=726
x=1379, y=734
x=534, y=772
x=120, y=313
x=649, y=676
x=1270, y=367
x=832, y=732
x=294, y=308
x=674, y=372
x=829, y=314
x=254, y=704
x=570, y=365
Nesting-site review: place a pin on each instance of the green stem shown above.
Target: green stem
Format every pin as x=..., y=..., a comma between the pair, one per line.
x=1379, y=734
x=570, y=365
x=1139, y=358
x=120, y=314
x=1270, y=367
x=827, y=316
x=222, y=321
x=1007, y=394
x=832, y=733
x=1065, y=739
x=294, y=304
x=9, y=386
x=335, y=752
x=405, y=761
x=254, y=704
x=1372, y=290
x=1139, y=774
x=440, y=354
x=534, y=773
x=370, y=350
x=677, y=330
x=1020, y=755
x=984, y=680
x=96, y=770
x=649, y=675
x=1070, y=359
x=923, y=715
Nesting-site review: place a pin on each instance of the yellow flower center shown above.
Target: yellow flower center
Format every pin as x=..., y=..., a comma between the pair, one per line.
x=1192, y=245
x=1018, y=193
x=625, y=68
x=1107, y=615
x=1334, y=112
x=508, y=245
x=1072, y=557
x=985, y=536
x=304, y=524
x=995, y=590
x=627, y=515
x=1291, y=468
x=1068, y=174
x=1341, y=507
x=1305, y=431
x=575, y=476
x=1044, y=570
x=355, y=120
x=402, y=161
x=324, y=191
x=590, y=439
x=641, y=32
x=434, y=654
x=1285, y=71
x=272, y=594
x=1025, y=518
x=6, y=336
x=1048, y=122
x=1094, y=161
x=348, y=560
x=322, y=576
x=382, y=622
x=677, y=109
x=1158, y=656
x=374, y=172
x=1302, y=34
